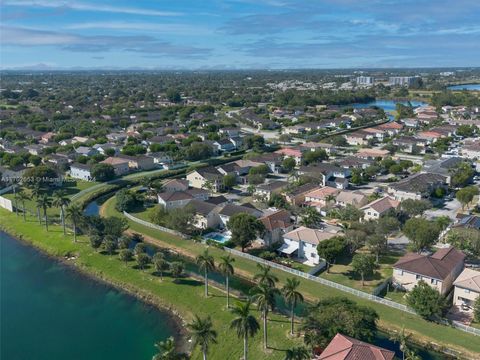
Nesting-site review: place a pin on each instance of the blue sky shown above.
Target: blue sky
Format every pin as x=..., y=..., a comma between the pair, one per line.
x=239, y=34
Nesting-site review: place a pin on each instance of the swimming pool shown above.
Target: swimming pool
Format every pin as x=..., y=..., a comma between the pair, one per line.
x=221, y=238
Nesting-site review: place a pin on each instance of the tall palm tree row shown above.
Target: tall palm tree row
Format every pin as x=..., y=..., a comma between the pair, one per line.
x=244, y=324
x=292, y=297
x=265, y=297
x=44, y=202
x=36, y=193
x=61, y=200
x=206, y=264
x=22, y=197
x=74, y=212
x=227, y=270
x=202, y=333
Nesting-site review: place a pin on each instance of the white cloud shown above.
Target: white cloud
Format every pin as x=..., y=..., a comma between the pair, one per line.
x=182, y=29
x=84, y=6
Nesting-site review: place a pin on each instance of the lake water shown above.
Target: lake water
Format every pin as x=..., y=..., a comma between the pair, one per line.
x=387, y=105
x=470, y=87
x=49, y=311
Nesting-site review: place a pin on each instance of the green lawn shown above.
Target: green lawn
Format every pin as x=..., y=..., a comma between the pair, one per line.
x=342, y=272
x=397, y=296
x=390, y=318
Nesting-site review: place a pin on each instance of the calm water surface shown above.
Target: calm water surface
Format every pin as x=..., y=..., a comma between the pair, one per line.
x=48, y=311
x=470, y=87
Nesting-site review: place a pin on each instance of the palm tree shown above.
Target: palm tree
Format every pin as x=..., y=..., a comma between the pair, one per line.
x=244, y=324
x=45, y=202
x=264, y=276
x=61, y=200
x=206, y=263
x=297, y=353
x=265, y=297
x=292, y=296
x=22, y=196
x=14, y=188
x=227, y=270
x=74, y=212
x=160, y=263
x=36, y=193
x=202, y=333
x=166, y=351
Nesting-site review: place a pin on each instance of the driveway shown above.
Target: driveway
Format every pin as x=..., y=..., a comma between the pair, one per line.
x=450, y=209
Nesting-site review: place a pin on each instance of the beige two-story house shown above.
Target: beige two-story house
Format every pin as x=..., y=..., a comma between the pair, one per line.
x=467, y=289
x=438, y=270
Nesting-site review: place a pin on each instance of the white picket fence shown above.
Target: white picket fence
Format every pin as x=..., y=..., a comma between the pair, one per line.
x=344, y=288
x=313, y=278
x=153, y=226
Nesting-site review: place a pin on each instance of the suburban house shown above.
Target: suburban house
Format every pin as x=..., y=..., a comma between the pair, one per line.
x=297, y=195
x=328, y=174
x=438, y=270
x=356, y=138
x=276, y=224
x=443, y=167
x=224, y=145
x=467, y=222
x=229, y=210
x=103, y=148
x=140, y=162
x=346, y=348
x=466, y=289
x=265, y=191
x=417, y=186
x=205, y=215
x=295, y=154
x=319, y=198
x=203, y=177
x=354, y=198
x=372, y=153
x=379, y=207
x=86, y=151
x=410, y=144
x=12, y=174
x=177, y=199
x=175, y=185
x=120, y=166
x=303, y=243
x=81, y=171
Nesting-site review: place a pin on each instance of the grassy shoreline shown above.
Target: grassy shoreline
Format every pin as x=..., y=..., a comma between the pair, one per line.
x=426, y=333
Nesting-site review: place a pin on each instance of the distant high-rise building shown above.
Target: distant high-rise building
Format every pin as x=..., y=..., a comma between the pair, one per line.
x=401, y=80
x=365, y=80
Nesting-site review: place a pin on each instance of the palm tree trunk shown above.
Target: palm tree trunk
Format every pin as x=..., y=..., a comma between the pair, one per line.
x=363, y=282
x=16, y=201
x=63, y=221
x=204, y=354
x=46, y=218
x=293, y=318
x=245, y=346
x=228, y=293
x=38, y=215
x=265, y=330
x=74, y=231
x=206, y=283
x=23, y=210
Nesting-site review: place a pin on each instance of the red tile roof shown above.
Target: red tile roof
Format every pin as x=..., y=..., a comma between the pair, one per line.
x=346, y=348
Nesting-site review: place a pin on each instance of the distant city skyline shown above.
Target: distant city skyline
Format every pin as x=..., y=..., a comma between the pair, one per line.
x=239, y=34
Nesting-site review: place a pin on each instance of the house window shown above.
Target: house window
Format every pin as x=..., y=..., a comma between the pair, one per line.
x=433, y=281
x=467, y=291
x=313, y=255
x=418, y=277
x=369, y=213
